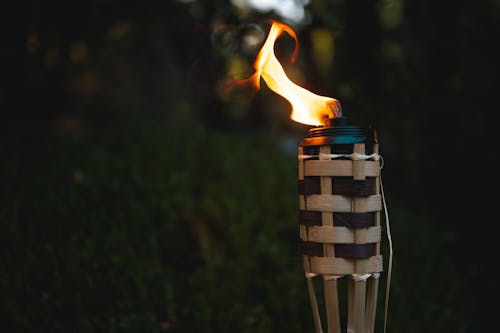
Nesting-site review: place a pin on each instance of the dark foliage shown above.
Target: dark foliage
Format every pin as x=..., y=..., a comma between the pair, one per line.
x=138, y=196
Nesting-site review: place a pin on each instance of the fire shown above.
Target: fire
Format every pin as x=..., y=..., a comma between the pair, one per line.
x=307, y=107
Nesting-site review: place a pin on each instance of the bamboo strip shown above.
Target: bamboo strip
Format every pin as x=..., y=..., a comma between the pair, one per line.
x=302, y=202
x=326, y=216
x=368, y=235
x=350, y=305
x=371, y=302
x=314, y=305
x=358, y=166
x=302, y=205
x=343, y=266
x=307, y=265
x=358, y=172
x=339, y=168
x=301, y=164
x=303, y=232
x=366, y=266
x=342, y=235
x=340, y=203
x=330, y=283
x=377, y=191
x=332, y=303
x=359, y=302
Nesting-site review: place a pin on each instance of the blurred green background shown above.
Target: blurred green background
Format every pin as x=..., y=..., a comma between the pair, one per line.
x=137, y=195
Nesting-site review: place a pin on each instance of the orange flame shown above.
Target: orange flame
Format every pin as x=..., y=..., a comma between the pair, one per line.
x=307, y=107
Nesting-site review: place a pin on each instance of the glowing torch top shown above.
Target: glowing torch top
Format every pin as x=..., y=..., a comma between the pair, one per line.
x=307, y=107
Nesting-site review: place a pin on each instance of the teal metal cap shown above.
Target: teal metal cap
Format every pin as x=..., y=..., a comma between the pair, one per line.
x=338, y=131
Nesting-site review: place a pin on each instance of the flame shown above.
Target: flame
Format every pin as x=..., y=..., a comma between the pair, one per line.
x=307, y=107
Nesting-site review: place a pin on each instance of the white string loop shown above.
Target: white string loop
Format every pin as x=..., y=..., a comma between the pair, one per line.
x=389, y=238
x=353, y=156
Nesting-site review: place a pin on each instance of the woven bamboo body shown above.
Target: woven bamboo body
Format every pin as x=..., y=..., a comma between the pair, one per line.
x=340, y=231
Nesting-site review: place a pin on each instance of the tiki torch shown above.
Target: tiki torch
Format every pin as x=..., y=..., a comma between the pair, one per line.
x=340, y=198
x=340, y=231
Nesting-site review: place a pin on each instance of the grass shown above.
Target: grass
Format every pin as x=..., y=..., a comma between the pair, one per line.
x=148, y=227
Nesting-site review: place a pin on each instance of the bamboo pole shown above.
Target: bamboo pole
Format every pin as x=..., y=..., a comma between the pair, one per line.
x=371, y=302
x=359, y=302
x=350, y=305
x=314, y=303
x=307, y=266
x=332, y=303
x=377, y=192
x=329, y=281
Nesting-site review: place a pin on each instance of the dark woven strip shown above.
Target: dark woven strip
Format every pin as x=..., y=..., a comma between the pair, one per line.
x=351, y=251
x=355, y=251
x=354, y=220
x=340, y=186
x=309, y=218
x=351, y=187
x=350, y=220
x=310, y=185
x=311, y=248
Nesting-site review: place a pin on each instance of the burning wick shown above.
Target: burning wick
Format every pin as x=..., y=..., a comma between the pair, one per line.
x=307, y=107
x=336, y=110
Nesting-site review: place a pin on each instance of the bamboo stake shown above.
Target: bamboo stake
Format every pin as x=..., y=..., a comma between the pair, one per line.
x=314, y=303
x=357, y=295
x=359, y=302
x=332, y=303
x=307, y=266
x=326, y=217
x=358, y=168
x=371, y=302
x=350, y=305
x=358, y=173
x=329, y=281
x=302, y=205
x=377, y=191
x=374, y=281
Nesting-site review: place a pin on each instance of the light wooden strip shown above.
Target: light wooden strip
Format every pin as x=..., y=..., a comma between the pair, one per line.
x=371, y=302
x=307, y=265
x=326, y=189
x=328, y=234
x=359, y=266
x=372, y=203
x=301, y=164
x=368, y=235
x=377, y=191
x=359, y=304
x=332, y=303
x=367, y=266
x=338, y=168
x=330, y=284
x=303, y=232
x=339, y=203
x=350, y=306
x=314, y=305
x=328, y=203
x=343, y=266
x=358, y=166
x=342, y=235
x=358, y=173
x=302, y=202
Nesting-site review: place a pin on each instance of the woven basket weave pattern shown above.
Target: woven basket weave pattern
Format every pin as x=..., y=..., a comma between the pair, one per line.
x=340, y=206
